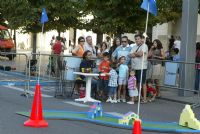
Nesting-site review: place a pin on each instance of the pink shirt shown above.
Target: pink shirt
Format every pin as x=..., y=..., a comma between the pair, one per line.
x=131, y=82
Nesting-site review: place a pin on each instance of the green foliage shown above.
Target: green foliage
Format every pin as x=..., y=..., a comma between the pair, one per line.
x=110, y=16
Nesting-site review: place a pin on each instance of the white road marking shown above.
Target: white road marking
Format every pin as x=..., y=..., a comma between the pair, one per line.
x=30, y=92
x=76, y=104
x=45, y=89
x=115, y=114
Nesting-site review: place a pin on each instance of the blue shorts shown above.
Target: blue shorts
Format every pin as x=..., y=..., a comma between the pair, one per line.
x=138, y=74
x=112, y=91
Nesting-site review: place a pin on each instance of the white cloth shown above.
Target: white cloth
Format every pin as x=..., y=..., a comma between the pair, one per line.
x=177, y=44
x=133, y=93
x=136, y=63
x=91, y=49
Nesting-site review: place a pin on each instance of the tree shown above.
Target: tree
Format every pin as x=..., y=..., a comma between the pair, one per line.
x=117, y=16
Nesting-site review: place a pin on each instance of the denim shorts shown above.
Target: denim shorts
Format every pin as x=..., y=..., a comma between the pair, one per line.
x=112, y=90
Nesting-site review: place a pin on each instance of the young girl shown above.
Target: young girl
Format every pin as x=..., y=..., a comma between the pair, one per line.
x=132, y=88
x=112, y=84
x=122, y=80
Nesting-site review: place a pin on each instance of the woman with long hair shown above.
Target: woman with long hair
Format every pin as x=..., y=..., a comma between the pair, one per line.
x=156, y=53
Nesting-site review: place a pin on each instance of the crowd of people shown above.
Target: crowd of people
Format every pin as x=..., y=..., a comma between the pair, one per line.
x=123, y=65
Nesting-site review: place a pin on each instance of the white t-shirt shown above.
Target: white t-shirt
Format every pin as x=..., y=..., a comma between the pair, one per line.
x=136, y=63
x=177, y=44
x=91, y=49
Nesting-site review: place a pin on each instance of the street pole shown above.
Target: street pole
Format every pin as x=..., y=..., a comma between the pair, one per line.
x=188, y=44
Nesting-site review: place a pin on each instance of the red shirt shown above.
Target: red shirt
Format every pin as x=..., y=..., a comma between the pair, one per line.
x=57, y=47
x=104, y=67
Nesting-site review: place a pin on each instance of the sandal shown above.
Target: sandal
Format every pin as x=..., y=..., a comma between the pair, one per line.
x=143, y=101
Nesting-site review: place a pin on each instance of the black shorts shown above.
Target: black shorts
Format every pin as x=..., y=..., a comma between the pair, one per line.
x=138, y=75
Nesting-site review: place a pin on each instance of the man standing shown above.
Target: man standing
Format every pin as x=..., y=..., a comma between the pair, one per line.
x=139, y=50
x=89, y=46
x=57, y=60
x=123, y=50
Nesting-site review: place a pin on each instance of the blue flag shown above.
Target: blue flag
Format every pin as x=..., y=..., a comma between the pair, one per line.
x=44, y=17
x=152, y=6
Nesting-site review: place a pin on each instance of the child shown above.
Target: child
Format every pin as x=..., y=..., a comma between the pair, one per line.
x=150, y=90
x=122, y=80
x=112, y=84
x=132, y=89
x=104, y=67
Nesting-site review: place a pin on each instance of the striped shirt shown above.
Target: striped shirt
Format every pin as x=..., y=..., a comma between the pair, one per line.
x=113, y=78
x=131, y=82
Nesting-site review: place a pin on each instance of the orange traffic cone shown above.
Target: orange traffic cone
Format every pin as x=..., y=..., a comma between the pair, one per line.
x=137, y=127
x=36, y=117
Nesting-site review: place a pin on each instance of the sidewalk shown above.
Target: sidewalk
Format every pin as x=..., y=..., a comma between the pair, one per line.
x=172, y=95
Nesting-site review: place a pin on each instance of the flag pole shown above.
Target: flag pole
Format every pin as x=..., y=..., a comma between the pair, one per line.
x=39, y=68
x=141, y=74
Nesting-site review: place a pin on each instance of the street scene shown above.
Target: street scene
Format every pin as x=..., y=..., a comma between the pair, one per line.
x=100, y=67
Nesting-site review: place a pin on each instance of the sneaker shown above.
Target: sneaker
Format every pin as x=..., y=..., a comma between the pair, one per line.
x=130, y=102
x=123, y=100
x=118, y=100
x=114, y=101
x=109, y=100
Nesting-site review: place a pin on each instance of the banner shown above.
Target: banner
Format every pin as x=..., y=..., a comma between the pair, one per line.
x=72, y=65
x=170, y=73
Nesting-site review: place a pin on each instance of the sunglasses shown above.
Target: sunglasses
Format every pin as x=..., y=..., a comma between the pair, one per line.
x=82, y=41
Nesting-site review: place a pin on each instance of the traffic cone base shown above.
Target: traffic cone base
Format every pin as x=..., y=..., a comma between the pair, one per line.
x=36, y=123
x=137, y=127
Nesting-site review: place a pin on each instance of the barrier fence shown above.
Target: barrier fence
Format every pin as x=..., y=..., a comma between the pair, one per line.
x=58, y=71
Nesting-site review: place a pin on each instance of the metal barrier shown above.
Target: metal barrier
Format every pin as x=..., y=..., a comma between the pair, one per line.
x=14, y=68
x=175, y=75
x=63, y=73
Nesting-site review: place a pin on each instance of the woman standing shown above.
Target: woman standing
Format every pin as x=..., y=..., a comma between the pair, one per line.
x=78, y=50
x=156, y=53
x=103, y=48
x=197, y=67
x=116, y=43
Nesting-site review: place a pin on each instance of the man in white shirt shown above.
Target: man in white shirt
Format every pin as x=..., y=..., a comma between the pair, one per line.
x=138, y=51
x=89, y=46
x=177, y=43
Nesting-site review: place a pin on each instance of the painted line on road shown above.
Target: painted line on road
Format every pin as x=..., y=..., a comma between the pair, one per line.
x=84, y=105
x=76, y=104
x=30, y=92
x=45, y=89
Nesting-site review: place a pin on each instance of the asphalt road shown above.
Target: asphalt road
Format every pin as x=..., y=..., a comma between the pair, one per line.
x=11, y=123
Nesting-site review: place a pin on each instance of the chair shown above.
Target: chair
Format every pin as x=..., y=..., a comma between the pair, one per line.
x=77, y=82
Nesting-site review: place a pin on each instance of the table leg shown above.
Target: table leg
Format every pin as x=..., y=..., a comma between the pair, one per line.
x=87, y=97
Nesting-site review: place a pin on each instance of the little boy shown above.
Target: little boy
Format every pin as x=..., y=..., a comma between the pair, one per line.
x=112, y=84
x=104, y=67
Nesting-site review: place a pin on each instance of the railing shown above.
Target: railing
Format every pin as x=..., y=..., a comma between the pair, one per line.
x=68, y=64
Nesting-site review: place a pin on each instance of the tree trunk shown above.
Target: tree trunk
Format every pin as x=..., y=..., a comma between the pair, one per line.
x=34, y=45
x=119, y=33
x=74, y=36
x=99, y=38
x=14, y=38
